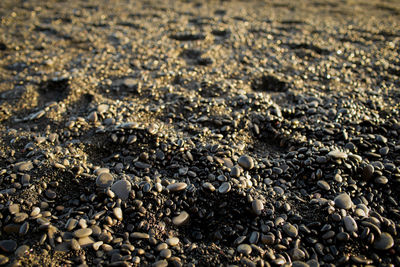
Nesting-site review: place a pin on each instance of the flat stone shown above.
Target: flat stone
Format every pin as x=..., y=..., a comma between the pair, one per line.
x=85, y=242
x=101, y=170
x=224, y=188
x=175, y=187
x=71, y=224
x=24, y=166
x=173, y=241
x=181, y=219
x=160, y=263
x=104, y=180
x=13, y=209
x=343, y=201
x=75, y=244
x=80, y=233
x=350, y=224
x=244, y=249
x=336, y=154
x=246, y=162
x=384, y=241
x=257, y=206
x=290, y=230
x=122, y=189
x=8, y=246
x=139, y=235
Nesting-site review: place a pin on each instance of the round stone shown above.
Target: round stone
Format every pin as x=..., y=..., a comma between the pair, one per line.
x=343, y=201
x=323, y=185
x=75, y=244
x=350, y=224
x=160, y=263
x=175, y=187
x=384, y=241
x=368, y=172
x=173, y=241
x=104, y=180
x=181, y=219
x=290, y=230
x=122, y=188
x=224, y=188
x=336, y=154
x=8, y=246
x=165, y=253
x=244, y=249
x=139, y=235
x=246, y=162
x=257, y=206
x=80, y=233
x=50, y=194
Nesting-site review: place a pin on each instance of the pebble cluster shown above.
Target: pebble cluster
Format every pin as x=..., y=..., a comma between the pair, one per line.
x=209, y=141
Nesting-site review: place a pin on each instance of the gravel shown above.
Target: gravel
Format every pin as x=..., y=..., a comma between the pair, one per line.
x=197, y=133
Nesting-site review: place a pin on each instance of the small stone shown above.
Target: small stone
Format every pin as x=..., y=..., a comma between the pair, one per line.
x=80, y=233
x=165, y=253
x=8, y=246
x=343, y=201
x=118, y=213
x=257, y=206
x=85, y=242
x=384, y=241
x=244, y=249
x=139, y=235
x=208, y=186
x=323, y=185
x=246, y=162
x=336, y=154
x=71, y=224
x=290, y=230
x=3, y=259
x=175, y=187
x=173, y=241
x=13, y=209
x=224, y=188
x=104, y=180
x=350, y=224
x=122, y=188
x=181, y=219
x=160, y=263
x=235, y=171
x=22, y=251
x=50, y=194
x=24, y=166
x=75, y=244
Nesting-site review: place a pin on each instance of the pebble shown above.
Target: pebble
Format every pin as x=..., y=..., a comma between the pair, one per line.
x=173, y=241
x=350, y=224
x=181, y=219
x=122, y=189
x=384, y=241
x=24, y=166
x=175, y=187
x=117, y=211
x=160, y=263
x=244, y=249
x=104, y=180
x=257, y=206
x=8, y=246
x=165, y=253
x=336, y=154
x=224, y=188
x=323, y=185
x=80, y=233
x=3, y=259
x=22, y=251
x=343, y=201
x=290, y=230
x=246, y=162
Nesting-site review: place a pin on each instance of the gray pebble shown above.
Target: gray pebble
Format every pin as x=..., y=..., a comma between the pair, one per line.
x=290, y=230
x=175, y=187
x=323, y=185
x=246, y=162
x=384, y=241
x=350, y=224
x=104, y=180
x=257, y=206
x=181, y=219
x=343, y=201
x=244, y=249
x=122, y=188
x=8, y=246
